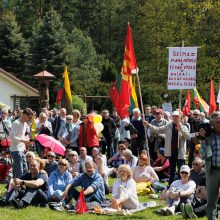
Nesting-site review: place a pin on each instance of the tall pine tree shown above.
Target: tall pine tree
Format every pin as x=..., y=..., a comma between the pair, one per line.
x=13, y=48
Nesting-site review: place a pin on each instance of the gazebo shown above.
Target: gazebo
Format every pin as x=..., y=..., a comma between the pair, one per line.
x=43, y=87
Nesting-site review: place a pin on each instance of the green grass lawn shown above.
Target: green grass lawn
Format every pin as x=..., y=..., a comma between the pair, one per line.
x=35, y=213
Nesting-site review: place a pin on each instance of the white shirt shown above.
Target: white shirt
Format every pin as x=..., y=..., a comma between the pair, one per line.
x=189, y=186
x=130, y=185
x=17, y=134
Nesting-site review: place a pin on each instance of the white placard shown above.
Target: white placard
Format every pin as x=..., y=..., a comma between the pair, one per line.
x=167, y=107
x=182, y=68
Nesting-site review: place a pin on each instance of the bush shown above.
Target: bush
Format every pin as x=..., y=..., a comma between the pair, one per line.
x=78, y=103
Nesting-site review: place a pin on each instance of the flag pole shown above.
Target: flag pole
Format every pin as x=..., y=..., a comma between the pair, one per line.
x=143, y=115
x=180, y=105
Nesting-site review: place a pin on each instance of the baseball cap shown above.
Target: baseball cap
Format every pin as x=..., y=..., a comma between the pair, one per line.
x=175, y=113
x=185, y=168
x=197, y=112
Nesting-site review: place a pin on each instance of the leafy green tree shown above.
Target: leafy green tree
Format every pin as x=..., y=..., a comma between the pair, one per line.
x=85, y=63
x=13, y=48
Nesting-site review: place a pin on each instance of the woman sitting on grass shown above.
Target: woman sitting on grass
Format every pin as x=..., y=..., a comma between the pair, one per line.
x=124, y=195
x=162, y=165
x=58, y=181
x=180, y=191
x=144, y=175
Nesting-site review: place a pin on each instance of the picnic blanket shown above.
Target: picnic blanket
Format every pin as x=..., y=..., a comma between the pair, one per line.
x=111, y=211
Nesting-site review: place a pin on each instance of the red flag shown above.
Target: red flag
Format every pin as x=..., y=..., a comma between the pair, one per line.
x=186, y=107
x=59, y=95
x=121, y=90
x=81, y=203
x=212, y=103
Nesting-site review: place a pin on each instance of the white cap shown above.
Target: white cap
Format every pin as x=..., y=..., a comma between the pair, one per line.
x=185, y=168
x=175, y=113
x=196, y=112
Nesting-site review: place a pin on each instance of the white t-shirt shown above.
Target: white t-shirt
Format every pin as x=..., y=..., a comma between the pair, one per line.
x=17, y=133
x=189, y=186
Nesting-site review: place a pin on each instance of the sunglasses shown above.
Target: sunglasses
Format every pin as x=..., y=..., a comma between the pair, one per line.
x=121, y=149
x=62, y=164
x=184, y=172
x=28, y=156
x=82, y=150
x=49, y=156
x=4, y=154
x=195, y=114
x=72, y=155
x=68, y=119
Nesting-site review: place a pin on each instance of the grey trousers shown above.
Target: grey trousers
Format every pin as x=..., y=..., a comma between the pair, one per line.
x=212, y=187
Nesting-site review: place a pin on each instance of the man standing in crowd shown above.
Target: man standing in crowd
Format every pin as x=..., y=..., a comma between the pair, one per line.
x=19, y=142
x=194, y=128
x=174, y=131
x=211, y=153
x=159, y=121
x=137, y=139
x=108, y=131
x=58, y=121
x=148, y=116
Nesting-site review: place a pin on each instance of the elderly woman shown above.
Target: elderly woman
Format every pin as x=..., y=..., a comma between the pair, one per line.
x=74, y=165
x=29, y=157
x=58, y=181
x=124, y=195
x=130, y=159
x=180, y=191
x=43, y=127
x=118, y=158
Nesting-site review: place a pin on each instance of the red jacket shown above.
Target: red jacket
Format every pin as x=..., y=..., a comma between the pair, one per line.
x=91, y=139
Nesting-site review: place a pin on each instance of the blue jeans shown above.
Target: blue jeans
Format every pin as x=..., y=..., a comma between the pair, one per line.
x=19, y=163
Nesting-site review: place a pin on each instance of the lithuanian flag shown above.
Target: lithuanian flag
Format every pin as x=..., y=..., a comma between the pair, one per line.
x=64, y=97
x=200, y=103
x=122, y=92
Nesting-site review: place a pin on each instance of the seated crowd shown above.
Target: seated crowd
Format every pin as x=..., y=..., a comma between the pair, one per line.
x=37, y=176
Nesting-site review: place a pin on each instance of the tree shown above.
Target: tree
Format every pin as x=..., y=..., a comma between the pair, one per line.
x=49, y=42
x=86, y=64
x=13, y=48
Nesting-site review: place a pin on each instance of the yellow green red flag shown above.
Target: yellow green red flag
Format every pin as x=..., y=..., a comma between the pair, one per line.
x=122, y=92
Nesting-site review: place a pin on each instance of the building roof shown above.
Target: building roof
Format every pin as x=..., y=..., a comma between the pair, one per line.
x=44, y=74
x=17, y=81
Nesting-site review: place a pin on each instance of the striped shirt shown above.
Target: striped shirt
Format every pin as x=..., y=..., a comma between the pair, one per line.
x=216, y=151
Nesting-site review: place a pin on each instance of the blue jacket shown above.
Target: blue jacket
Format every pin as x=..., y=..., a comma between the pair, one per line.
x=95, y=181
x=58, y=181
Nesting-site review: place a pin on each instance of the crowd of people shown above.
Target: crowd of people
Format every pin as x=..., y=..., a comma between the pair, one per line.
x=143, y=153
